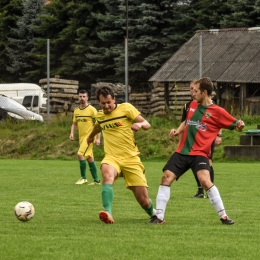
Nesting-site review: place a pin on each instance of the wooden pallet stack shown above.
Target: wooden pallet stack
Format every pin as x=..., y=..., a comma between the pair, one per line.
x=142, y=101
x=178, y=96
x=63, y=94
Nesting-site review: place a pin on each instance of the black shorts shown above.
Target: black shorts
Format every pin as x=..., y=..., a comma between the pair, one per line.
x=179, y=164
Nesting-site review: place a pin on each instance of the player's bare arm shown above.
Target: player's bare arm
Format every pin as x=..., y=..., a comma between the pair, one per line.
x=174, y=132
x=239, y=125
x=72, y=130
x=95, y=131
x=140, y=122
x=97, y=141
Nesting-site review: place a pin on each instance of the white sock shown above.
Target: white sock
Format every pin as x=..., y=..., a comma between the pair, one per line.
x=216, y=201
x=162, y=199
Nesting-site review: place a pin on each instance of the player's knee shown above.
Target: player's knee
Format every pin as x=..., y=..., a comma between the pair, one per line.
x=167, y=178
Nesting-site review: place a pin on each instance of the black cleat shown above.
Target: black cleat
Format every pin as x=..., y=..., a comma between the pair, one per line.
x=227, y=221
x=199, y=195
x=155, y=220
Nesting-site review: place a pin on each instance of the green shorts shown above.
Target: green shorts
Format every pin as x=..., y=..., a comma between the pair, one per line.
x=131, y=169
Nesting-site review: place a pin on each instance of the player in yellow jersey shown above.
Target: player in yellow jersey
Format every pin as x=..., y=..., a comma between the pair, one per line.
x=83, y=119
x=118, y=122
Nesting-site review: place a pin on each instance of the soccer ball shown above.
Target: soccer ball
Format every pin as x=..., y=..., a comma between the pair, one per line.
x=24, y=211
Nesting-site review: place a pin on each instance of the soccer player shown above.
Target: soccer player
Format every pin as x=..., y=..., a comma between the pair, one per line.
x=203, y=122
x=118, y=122
x=216, y=142
x=83, y=119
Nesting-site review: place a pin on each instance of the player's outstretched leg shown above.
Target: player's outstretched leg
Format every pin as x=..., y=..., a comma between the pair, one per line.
x=217, y=203
x=162, y=199
x=107, y=199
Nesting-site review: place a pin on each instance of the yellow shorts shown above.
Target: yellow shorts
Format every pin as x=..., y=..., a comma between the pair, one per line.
x=131, y=169
x=85, y=149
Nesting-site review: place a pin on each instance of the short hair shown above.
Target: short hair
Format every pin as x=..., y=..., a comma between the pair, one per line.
x=105, y=91
x=205, y=84
x=83, y=91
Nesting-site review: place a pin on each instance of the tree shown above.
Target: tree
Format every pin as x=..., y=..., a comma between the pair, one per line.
x=149, y=45
x=9, y=10
x=22, y=43
x=243, y=13
x=100, y=58
x=72, y=31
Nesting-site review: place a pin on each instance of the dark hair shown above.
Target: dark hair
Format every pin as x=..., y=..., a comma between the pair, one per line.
x=83, y=91
x=105, y=91
x=205, y=84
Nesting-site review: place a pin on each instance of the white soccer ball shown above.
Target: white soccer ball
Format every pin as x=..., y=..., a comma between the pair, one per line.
x=24, y=211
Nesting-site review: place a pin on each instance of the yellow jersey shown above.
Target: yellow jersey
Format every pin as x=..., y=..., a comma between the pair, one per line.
x=118, y=136
x=85, y=119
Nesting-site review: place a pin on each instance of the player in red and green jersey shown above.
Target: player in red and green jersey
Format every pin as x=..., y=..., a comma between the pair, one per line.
x=216, y=142
x=83, y=119
x=204, y=120
x=118, y=122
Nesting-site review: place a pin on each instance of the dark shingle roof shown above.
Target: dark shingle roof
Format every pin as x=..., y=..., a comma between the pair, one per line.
x=228, y=55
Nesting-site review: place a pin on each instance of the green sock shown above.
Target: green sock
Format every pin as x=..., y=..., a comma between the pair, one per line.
x=94, y=172
x=149, y=211
x=107, y=194
x=83, y=167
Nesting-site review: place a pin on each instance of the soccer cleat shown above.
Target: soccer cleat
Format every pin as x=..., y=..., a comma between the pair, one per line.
x=227, y=221
x=198, y=195
x=81, y=181
x=155, y=220
x=106, y=217
x=94, y=183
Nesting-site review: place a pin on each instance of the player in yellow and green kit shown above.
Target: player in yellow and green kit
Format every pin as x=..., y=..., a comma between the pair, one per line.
x=118, y=122
x=83, y=119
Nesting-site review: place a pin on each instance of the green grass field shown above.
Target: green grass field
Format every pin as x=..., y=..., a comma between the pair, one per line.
x=66, y=223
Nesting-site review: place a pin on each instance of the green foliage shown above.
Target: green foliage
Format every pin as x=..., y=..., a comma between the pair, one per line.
x=9, y=10
x=241, y=13
x=34, y=140
x=87, y=37
x=23, y=41
x=66, y=223
x=249, y=119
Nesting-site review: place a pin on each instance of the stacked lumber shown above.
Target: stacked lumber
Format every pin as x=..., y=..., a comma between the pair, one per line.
x=62, y=93
x=142, y=101
x=178, y=96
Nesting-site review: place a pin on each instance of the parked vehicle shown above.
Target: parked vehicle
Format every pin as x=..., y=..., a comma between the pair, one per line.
x=13, y=109
x=29, y=95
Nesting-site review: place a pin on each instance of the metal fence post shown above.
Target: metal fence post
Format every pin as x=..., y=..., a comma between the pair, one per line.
x=48, y=81
x=200, y=56
x=126, y=55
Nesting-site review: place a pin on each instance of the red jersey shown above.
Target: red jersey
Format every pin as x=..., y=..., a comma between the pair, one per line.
x=202, y=126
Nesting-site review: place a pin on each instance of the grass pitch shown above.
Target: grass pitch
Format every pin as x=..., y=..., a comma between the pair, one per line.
x=66, y=223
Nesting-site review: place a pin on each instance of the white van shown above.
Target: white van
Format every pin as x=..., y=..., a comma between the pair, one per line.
x=28, y=94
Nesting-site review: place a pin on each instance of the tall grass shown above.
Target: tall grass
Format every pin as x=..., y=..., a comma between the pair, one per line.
x=34, y=140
